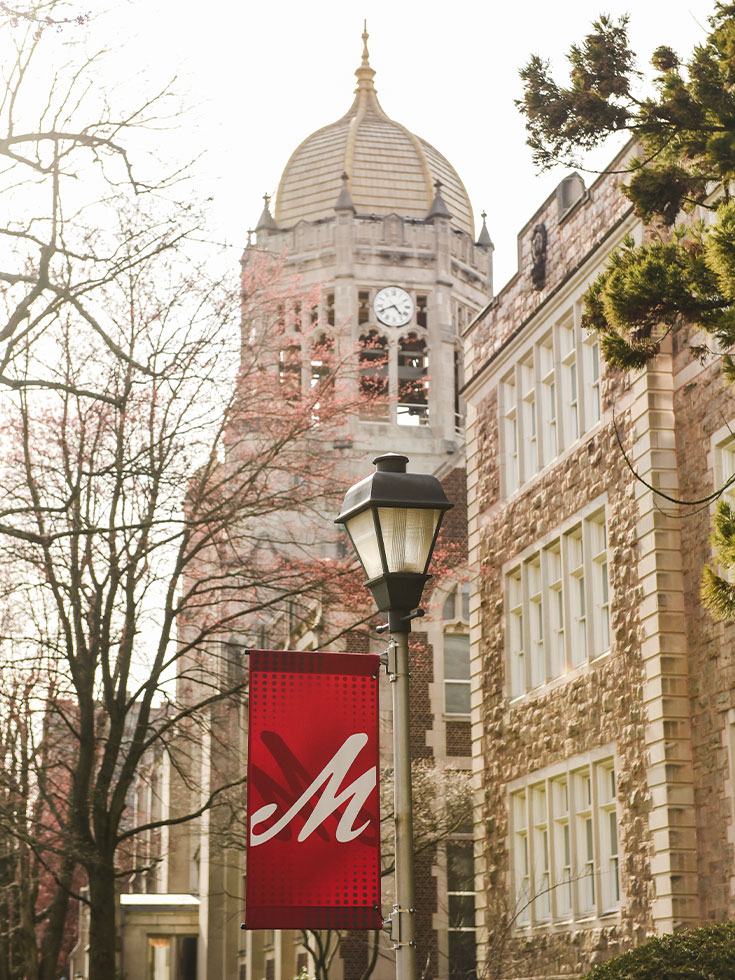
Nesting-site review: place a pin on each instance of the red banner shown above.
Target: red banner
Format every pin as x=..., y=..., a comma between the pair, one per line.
x=313, y=855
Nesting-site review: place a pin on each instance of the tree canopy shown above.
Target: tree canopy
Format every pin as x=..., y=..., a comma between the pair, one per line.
x=679, y=180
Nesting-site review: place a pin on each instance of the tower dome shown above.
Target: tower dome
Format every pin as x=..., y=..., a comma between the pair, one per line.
x=389, y=169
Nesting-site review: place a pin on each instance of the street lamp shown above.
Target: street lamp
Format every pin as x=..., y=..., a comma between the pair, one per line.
x=393, y=520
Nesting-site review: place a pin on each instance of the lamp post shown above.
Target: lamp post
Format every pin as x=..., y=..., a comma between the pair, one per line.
x=393, y=520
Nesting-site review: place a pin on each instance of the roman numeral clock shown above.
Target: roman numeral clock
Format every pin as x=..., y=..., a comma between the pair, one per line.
x=393, y=306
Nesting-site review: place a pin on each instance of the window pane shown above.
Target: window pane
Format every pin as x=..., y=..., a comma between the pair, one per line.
x=456, y=656
x=462, y=956
x=413, y=381
x=466, y=602
x=461, y=911
x=187, y=958
x=460, y=866
x=457, y=698
x=449, y=605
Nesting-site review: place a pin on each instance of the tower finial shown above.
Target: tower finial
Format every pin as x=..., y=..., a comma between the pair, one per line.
x=438, y=207
x=365, y=74
x=485, y=241
x=265, y=221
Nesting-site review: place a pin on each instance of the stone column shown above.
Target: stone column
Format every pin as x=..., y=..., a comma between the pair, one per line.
x=478, y=733
x=442, y=337
x=664, y=653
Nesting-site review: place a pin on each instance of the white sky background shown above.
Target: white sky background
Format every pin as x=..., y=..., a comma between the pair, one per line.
x=257, y=78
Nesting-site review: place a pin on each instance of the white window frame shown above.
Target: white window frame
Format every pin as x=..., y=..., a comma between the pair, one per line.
x=453, y=928
x=557, y=604
x=515, y=632
x=565, y=862
x=464, y=682
x=550, y=398
x=510, y=434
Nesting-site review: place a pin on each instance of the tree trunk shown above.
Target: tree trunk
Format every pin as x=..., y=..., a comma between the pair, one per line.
x=26, y=936
x=53, y=936
x=6, y=913
x=102, y=937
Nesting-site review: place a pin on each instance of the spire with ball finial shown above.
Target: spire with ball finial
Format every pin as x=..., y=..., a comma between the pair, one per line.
x=365, y=74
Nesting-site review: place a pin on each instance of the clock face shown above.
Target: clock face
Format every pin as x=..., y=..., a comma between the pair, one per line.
x=393, y=306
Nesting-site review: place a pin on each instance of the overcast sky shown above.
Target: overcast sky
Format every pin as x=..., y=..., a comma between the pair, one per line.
x=257, y=77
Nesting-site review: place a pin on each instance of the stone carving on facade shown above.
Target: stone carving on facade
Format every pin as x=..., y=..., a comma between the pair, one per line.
x=538, y=254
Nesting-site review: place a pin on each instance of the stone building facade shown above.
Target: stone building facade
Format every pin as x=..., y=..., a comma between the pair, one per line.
x=602, y=691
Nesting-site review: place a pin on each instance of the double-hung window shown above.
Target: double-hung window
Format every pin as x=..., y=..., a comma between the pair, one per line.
x=558, y=606
x=510, y=434
x=461, y=909
x=549, y=398
x=516, y=652
x=563, y=840
x=456, y=673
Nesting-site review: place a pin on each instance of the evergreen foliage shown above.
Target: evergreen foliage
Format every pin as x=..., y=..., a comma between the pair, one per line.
x=701, y=954
x=685, y=159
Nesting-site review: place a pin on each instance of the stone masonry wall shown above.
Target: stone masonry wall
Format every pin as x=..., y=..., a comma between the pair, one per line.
x=569, y=243
x=704, y=404
x=600, y=705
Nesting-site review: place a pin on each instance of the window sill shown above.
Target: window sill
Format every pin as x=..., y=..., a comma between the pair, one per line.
x=604, y=919
x=560, y=681
x=509, y=496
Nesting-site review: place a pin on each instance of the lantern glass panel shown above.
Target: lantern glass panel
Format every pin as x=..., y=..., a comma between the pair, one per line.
x=361, y=529
x=408, y=533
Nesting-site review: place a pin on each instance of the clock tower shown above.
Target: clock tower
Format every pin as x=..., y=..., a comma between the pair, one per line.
x=381, y=220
